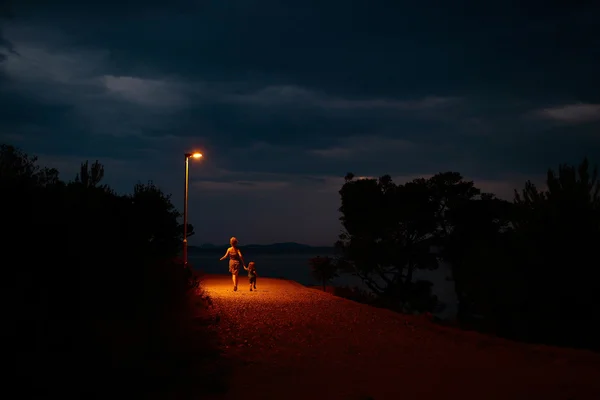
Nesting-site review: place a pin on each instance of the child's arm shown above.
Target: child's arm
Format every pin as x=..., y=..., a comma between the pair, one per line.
x=225, y=256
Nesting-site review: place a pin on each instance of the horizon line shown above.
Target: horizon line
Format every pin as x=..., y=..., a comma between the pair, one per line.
x=264, y=244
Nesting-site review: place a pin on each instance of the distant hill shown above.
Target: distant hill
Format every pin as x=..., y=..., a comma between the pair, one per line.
x=285, y=245
x=275, y=247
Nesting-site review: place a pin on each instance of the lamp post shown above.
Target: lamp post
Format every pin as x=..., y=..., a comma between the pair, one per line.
x=185, y=204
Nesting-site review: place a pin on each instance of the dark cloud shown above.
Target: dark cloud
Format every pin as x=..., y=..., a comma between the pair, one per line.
x=5, y=45
x=347, y=48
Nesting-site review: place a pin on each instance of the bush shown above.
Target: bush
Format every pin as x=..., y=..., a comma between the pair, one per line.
x=96, y=297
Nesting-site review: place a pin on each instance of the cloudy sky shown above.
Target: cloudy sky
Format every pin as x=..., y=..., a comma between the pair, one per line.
x=284, y=97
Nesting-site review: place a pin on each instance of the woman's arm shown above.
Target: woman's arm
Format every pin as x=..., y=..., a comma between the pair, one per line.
x=241, y=258
x=225, y=256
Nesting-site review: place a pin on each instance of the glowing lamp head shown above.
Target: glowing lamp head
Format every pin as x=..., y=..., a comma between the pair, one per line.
x=193, y=155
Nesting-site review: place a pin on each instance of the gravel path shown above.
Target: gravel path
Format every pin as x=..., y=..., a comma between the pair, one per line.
x=291, y=342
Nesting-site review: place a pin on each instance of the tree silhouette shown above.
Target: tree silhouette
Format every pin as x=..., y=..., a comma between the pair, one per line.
x=83, y=265
x=388, y=232
x=156, y=219
x=449, y=190
x=526, y=269
x=557, y=231
x=323, y=269
x=476, y=250
x=393, y=230
x=17, y=166
x=90, y=177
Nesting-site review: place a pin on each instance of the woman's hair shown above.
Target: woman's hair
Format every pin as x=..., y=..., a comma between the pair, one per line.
x=233, y=241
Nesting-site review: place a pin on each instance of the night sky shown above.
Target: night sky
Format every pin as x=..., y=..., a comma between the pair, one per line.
x=285, y=97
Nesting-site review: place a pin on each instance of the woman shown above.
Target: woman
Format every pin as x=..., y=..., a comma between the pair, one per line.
x=235, y=259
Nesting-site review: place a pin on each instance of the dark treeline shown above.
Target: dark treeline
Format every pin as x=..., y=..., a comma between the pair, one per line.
x=96, y=298
x=526, y=269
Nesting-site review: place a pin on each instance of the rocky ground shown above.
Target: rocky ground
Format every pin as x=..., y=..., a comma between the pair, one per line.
x=286, y=341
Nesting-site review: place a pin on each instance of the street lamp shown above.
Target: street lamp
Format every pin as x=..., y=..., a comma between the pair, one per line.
x=185, y=204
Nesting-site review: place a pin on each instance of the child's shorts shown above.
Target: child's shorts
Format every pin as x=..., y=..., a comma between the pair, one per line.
x=252, y=279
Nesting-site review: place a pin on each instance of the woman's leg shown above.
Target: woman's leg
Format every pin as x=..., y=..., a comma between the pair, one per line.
x=234, y=279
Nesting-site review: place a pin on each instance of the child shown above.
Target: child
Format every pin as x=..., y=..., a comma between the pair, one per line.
x=251, y=274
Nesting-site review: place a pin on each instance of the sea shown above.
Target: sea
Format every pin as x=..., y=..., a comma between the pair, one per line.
x=293, y=265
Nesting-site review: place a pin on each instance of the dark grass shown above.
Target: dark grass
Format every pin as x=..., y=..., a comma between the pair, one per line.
x=162, y=356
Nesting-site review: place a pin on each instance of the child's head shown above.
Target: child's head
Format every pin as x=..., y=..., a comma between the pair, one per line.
x=233, y=241
x=251, y=265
